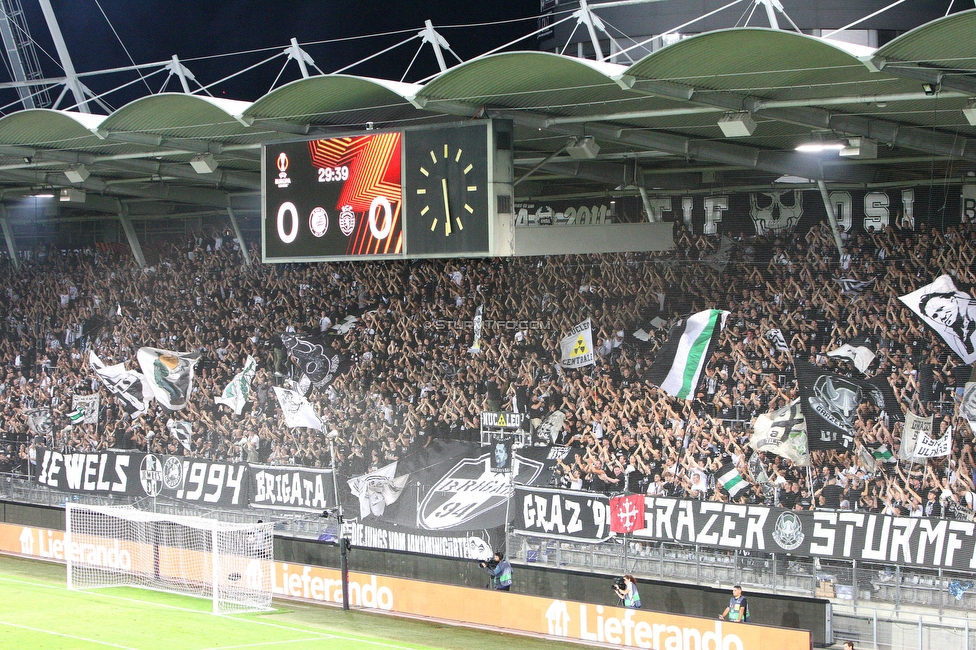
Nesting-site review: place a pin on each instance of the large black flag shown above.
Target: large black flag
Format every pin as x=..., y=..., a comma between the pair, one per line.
x=319, y=363
x=829, y=402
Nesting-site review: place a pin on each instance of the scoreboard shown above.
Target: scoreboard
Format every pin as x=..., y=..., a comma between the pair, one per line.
x=430, y=192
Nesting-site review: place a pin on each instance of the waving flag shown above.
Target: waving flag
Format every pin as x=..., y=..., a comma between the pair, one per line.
x=576, y=348
x=85, y=409
x=318, y=362
x=950, y=312
x=239, y=389
x=730, y=479
x=129, y=386
x=377, y=490
x=783, y=432
x=297, y=410
x=627, y=513
x=169, y=375
x=681, y=362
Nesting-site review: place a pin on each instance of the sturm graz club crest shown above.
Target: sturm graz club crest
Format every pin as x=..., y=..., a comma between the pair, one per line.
x=151, y=475
x=173, y=473
x=788, y=531
x=471, y=489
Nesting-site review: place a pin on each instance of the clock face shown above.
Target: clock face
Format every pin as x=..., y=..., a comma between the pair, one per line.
x=447, y=190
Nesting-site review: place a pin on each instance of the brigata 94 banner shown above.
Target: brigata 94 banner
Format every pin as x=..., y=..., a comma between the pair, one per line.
x=833, y=534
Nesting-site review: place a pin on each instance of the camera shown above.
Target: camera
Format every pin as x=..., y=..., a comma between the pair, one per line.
x=619, y=584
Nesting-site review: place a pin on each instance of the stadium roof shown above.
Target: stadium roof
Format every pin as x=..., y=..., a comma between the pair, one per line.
x=656, y=122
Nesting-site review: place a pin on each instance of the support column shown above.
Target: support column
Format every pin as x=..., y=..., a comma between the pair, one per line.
x=831, y=217
x=237, y=233
x=8, y=236
x=130, y=234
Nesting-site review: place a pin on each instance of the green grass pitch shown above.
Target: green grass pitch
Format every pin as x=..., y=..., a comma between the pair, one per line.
x=39, y=613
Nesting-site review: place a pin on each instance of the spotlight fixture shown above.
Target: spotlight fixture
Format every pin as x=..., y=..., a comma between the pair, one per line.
x=928, y=89
x=203, y=163
x=72, y=195
x=864, y=148
x=77, y=173
x=583, y=149
x=970, y=112
x=737, y=125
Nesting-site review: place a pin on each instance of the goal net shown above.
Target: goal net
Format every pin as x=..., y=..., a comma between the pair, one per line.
x=228, y=563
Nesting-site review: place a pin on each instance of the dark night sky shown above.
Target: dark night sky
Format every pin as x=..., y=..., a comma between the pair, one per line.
x=154, y=30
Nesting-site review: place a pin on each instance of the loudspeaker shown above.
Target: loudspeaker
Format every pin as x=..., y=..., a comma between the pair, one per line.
x=584, y=149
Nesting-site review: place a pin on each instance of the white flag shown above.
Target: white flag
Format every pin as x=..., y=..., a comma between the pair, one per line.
x=169, y=375
x=477, y=323
x=967, y=408
x=239, y=389
x=378, y=489
x=860, y=356
x=950, y=312
x=576, y=348
x=775, y=336
x=298, y=412
x=915, y=428
x=928, y=447
x=181, y=430
x=88, y=406
x=128, y=385
x=783, y=432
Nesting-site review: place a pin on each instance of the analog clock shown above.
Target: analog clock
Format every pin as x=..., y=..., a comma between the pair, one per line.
x=447, y=190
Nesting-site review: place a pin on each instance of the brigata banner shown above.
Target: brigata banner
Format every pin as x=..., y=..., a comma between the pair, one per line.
x=299, y=489
x=835, y=534
x=139, y=474
x=561, y=514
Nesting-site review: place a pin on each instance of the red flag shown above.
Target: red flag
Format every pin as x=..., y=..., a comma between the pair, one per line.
x=627, y=513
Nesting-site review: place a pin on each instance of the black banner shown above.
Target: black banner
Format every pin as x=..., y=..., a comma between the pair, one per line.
x=466, y=545
x=829, y=403
x=299, y=489
x=138, y=474
x=561, y=514
x=828, y=534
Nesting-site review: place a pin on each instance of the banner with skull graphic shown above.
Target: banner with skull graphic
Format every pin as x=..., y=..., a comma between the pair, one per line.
x=829, y=402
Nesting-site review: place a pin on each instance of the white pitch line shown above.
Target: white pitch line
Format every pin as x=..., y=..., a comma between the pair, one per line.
x=67, y=636
x=321, y=635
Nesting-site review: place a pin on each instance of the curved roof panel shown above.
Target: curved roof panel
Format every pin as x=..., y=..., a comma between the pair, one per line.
x=44, y=127
x=525, y=79
x=764, y=63
x=948, y=41
x=180, y=116
x=335, y=99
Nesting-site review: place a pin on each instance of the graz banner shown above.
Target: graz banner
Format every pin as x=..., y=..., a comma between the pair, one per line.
x=139, y=474
x=299, y=489
x=834, y=534
x=561, y=514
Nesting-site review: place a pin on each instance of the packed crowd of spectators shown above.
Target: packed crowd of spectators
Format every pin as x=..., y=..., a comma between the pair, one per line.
x=414, y=376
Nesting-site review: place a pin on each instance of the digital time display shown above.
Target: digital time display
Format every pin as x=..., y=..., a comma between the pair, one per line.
x=334, y=198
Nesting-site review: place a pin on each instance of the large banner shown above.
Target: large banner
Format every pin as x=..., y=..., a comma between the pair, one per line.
x=286, y=487
x=829, y=534
x=138, y=474
x=561, y=514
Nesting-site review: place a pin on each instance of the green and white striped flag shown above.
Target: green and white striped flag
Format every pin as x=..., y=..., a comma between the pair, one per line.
x=881, y=452
x=681, y=362
x=729, y=478
x=76, y=416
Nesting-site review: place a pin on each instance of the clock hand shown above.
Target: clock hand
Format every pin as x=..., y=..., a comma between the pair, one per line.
x=447, y=210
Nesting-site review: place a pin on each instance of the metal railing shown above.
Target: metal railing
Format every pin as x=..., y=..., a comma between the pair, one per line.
x=936, y=592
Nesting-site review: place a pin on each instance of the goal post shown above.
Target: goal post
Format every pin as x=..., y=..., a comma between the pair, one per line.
x=228, y=563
